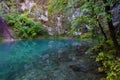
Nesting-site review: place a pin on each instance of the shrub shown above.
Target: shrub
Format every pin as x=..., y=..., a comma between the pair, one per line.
x=23, y=26
x=110, y=64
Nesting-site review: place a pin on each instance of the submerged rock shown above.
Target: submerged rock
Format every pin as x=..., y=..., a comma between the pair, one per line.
x=75, y=68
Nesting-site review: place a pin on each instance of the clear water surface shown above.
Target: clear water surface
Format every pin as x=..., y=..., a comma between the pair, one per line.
x=38, y=60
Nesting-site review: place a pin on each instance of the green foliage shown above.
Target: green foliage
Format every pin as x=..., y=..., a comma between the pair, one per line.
x=103, y=46
x=86, y=35
x=80, y=21
x=12, y=18
x=23, y=26
x=58, y=6
x=106, y=57
x=111, y=65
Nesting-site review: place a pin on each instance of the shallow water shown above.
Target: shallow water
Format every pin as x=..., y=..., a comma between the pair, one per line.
x=42, y=60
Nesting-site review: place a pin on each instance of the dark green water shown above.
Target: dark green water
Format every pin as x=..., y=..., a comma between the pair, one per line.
x=39, y=60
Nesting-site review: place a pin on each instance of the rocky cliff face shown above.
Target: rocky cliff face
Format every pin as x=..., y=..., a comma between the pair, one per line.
x=116, y=16
x=5, y=32
x=60, y=24
x=38, y=10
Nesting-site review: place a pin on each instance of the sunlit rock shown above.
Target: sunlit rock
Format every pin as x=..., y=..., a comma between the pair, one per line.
x=46, y=13
x=42, y=17
x=27, y=5
x=76, y=13
x=77, y=33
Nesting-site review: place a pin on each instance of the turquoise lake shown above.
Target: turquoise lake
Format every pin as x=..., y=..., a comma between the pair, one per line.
x=43, y=59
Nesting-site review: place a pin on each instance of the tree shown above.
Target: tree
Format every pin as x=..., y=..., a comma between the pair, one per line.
x=111, y=27
x=95, y=10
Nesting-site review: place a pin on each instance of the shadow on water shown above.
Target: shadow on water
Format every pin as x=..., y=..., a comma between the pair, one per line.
x=45, y=60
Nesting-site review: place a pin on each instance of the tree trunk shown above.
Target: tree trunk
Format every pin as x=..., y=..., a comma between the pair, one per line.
x=101, y=28
x=111, y=27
